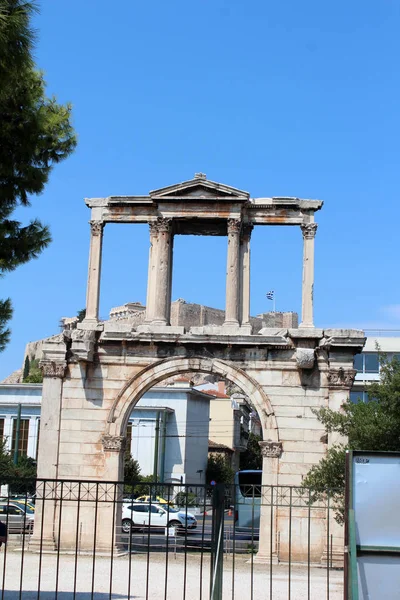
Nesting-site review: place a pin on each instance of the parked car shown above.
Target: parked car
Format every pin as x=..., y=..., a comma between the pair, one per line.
x=16, y=517
x=155, y=499
x=140, y=515
x=24, y=503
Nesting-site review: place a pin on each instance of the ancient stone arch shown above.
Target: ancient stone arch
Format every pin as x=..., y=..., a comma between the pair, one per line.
x=96, y=370
x=141, y=382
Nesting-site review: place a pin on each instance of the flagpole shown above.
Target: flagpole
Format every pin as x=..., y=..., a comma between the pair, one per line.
x=273, y=306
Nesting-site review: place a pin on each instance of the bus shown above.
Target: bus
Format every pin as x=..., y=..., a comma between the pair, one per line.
x=247, y=501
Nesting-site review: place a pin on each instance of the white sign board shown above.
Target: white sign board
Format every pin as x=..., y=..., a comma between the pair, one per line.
x=376, y=503
x=376, y=499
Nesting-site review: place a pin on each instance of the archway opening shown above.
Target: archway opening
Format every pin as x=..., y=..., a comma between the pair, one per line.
x=244, y=404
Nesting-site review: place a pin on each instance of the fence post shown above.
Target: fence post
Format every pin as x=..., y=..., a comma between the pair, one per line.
x=217, y=542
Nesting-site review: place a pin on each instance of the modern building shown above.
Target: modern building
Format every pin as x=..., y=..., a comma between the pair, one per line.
x=367, y=363
x=229, y=421
x=167, y=431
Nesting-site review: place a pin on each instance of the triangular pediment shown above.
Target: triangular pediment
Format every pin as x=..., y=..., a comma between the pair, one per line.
x=199, y=188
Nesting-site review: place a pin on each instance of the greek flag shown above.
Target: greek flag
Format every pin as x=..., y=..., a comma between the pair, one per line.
x=270, y=295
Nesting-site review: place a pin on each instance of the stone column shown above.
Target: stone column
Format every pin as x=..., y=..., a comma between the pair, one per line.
x=171, y=265
x=93, y=285
x=152, y=273
x=245, y=276
x=307, y=318
x=47, y=460
x=340, y=380
x=233, y=274
x=271, y=452
x=163, y=273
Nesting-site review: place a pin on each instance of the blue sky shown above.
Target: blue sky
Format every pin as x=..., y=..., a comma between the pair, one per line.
x=276, y=98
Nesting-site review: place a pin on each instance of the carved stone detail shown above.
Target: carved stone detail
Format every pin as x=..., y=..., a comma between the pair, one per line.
x=341, y=378
x=52, y=368
x=164, y=225
x=270, y=449
x=153, y=226
x=113, y=443
x=305, y=358
x=234, y=226
x=96, y=227
x=309, y=230
x=83, y=344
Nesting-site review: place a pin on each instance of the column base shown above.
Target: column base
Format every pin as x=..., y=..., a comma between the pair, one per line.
x=232, y=328
x=42, y=545
x=246, y=328
x=265, y=559
x=306, y=325
x=336, y=559
x=90, y=324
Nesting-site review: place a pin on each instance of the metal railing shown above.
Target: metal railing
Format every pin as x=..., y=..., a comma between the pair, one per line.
x=96, y=540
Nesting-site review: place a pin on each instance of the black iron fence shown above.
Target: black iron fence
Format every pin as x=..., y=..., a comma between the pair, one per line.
x=93, y=540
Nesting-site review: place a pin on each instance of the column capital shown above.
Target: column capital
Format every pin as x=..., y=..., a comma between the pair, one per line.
x=341, y=378
x=160, y=225
x=96, y=227
x=113, y=443
x=52, y=368
x=234, y=225
x=309, y=230
x=270, y=449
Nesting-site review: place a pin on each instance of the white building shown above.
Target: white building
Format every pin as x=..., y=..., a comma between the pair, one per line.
x=367, y=363
x=167, y=430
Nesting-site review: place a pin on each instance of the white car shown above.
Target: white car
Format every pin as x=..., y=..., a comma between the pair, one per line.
x=16, y=516
x=142, y=514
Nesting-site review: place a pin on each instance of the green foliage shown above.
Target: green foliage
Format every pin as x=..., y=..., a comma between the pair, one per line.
x=21, y=477
x=27, y=366
x=131, y=469
x=251, y=458
x=81, y=314
x=5, y=315
x=374, y=425
x=35, y=374
x=219, y=470
x=35, y=134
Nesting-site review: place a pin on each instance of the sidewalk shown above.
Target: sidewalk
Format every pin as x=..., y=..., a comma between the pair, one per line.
x=176, y=574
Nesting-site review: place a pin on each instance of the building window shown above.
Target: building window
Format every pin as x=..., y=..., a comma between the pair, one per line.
x=23, y=437
x=360, y=396
x=1, y=430
x=357, y=396
x=371, y=363
x=358, y=363
x=367, y=362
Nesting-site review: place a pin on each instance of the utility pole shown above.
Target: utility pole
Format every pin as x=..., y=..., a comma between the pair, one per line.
x=17, y=434
x=163, y=439
x=157, y=436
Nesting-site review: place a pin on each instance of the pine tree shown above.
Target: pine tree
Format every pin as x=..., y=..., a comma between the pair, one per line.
x=27, y=366
x=35, y=134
